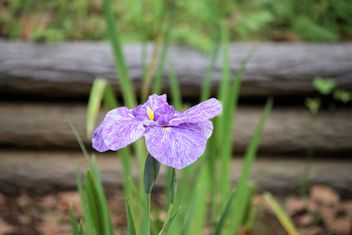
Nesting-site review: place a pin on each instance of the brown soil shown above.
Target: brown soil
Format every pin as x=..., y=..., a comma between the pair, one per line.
x=322, y=212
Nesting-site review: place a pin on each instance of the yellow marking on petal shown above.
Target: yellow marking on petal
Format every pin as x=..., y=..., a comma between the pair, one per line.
x=150, y=114
x=166, y=128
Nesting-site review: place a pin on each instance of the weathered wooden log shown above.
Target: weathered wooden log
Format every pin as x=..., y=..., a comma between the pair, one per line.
x=287, y=130
x=45, y=171
x=68, y=69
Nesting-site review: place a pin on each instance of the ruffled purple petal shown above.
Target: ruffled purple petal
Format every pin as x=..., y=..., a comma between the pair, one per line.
x=161, y=110
x=163, y=114
x=119, y=129
x=176, y=147
x=199, y=113
x=98, y=141
x=156, y=101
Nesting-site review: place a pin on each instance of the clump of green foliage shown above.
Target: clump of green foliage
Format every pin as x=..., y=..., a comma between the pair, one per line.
x=327, y=87
x=306, y=20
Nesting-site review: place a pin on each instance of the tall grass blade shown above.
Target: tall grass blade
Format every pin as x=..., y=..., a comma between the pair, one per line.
x=196, y=213
x=214, y=18
x=92, y=203
x=95, y=98
x=79, y=140
x=281, y=214
x=122, y=71
x=99, y=193
x=145, y=222
x=165, y=45
x=87, y=216
x=223, y=125
x=205, y=92
x=225, y=213
x=160, y=46
x=226, y=71
x=130, y=221
x=170, y=219
x=74, y=224
x=243, y=190
x=226, y=124
x=175, y=89
x=143, y=30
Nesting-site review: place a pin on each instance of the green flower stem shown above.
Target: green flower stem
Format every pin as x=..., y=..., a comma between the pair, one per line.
x=146, y=225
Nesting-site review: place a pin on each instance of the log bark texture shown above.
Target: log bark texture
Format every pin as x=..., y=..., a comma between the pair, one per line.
x=46, y=171
x=68, y=69
x=43, y=125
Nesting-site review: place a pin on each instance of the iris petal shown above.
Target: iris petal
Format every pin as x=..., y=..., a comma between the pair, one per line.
x=176, y=147
x=205, y=127
x=120, y=128
x=199, y=113
x=98, y=141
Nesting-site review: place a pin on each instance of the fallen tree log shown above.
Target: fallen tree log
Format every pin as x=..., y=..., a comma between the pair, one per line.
x=287, y=130
x=45, y=172
x=68, y=69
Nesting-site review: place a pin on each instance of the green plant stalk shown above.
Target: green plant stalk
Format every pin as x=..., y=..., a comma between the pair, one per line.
x=220, y=225
x=130, y=220
x=126, y=173
x=172, y=213
x=196, y=214
x=239, y=206
x=211, y=154
x=143, y=29
x=225, y=85
x=95, y=99
x=122, y=71
x=185, y=195
x=215, y=20
x=228, y=120
x=92, y=203
x=151, y=171
x=87, y=217
x=74, y=222
x=281, y=214
x=224, y=125
x=160, y=72
x=205, y=92
x=100, y=195
x=243, y=190
x=145, y=225
x=175, y=89
x=152, y=66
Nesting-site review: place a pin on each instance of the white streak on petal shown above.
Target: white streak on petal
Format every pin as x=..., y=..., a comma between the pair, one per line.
x=121, y=128
x=198, y=113
x=176, y=147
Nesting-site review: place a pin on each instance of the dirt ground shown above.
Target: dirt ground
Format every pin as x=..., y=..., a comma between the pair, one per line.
x=321, y=212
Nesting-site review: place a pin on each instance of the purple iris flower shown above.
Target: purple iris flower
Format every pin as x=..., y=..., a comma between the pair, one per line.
x=173, y=138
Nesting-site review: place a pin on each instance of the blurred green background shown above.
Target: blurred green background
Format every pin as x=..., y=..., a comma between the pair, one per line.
x=193, y=21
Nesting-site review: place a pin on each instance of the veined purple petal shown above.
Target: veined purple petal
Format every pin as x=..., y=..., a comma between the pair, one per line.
x=198, y=113
x=205, y=127
x=159, y=110
x=176, y=147
x=120, y=128
x=98, y=141
x=164, y=113
x=155, y=101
